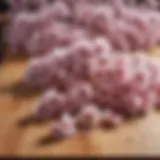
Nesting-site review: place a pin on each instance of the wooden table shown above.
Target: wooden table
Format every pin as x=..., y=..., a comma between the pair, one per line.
x=138, y=137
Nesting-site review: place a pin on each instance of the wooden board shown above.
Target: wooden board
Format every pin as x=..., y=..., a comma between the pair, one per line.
x=138, y=137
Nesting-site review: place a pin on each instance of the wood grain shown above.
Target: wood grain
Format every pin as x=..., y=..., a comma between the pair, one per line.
x=137, y=137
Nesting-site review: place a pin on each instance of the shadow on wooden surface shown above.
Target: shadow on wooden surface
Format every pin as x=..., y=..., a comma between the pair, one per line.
x=49, y=140
x=32, y=120
x=29, y=120
x=19, y=90
x=9, y=56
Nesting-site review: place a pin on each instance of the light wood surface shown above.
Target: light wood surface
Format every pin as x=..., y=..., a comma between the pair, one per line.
x=137, y=137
